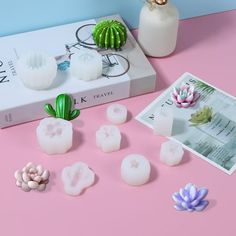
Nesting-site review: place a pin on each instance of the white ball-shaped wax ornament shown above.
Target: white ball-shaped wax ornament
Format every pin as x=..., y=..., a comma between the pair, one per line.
x=37, y=70
x=117, y=114
x=135, y=170
x=86, y=65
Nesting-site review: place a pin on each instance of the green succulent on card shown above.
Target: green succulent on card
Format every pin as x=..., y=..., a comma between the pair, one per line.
x=110, y=34
x=63, y=108
x=202, y=116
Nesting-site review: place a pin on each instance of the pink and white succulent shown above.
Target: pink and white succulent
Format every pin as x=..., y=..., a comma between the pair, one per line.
x=32, y=177
x=185, y=96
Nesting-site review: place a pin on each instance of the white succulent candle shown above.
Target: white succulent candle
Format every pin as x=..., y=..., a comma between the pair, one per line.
x=76, y=178
x=86, y=65
x=32, y=177
x=55, y=135
x=171, y=153
x=117, y=114
x=163, y=121
x=158, y=27
x=108, y=138
x=37, y=70
x=135, y=170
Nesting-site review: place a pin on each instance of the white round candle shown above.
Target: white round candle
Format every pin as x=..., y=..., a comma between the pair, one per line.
x=37, y=70
x=135, y=170
x=117, y=113
x=86, y=65
x=55, y=135
x=171, y=153
x=108, y=138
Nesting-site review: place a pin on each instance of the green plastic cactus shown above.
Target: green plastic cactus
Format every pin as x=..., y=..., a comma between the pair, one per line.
x=202, y=116
x=63, y=108
x=110, y=34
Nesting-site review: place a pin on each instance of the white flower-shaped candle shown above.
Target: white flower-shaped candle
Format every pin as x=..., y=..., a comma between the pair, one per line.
x=185, y=96
x=117, y=114
x=108, y=138
x=37, y=70
x=55, y=134
x=135, y=170
x=76, y=178
x=86, y=65
x=32, y=177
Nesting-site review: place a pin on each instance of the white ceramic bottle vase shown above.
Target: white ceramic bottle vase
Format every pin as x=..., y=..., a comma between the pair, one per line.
x=158, y=28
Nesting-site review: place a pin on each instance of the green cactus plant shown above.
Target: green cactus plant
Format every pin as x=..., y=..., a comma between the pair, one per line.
x=63, y=108
x=202, y=116
x=110, y=34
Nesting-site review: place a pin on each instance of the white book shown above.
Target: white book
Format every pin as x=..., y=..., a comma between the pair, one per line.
x=128, y=72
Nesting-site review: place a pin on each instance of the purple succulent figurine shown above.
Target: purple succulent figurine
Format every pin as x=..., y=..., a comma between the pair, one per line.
x=190, y=198
x=185, y=96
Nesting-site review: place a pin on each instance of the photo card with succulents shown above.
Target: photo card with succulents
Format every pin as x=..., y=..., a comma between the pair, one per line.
x=204, y=120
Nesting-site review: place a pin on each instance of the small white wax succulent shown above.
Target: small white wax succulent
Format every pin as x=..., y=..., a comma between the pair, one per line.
x=135, y=170
x=171, y=153
x=76, y=178
x=37, y=70
x=55, y=135
x=86, y=65
x=117, y=114
x=32, y=177
x=108, y=138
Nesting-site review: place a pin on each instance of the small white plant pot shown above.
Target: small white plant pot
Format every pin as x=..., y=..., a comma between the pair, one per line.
x=55, y=135
x=37, y=70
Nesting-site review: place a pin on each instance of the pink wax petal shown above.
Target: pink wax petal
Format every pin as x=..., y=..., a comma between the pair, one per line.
x=173, y=97
x=190, y=98
x=179, y=99
x=175, y=91
x=184, y=87
x=191, y=89
x=185, y=104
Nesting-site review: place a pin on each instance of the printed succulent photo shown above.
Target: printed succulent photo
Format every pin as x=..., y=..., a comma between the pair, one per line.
x=202, y=116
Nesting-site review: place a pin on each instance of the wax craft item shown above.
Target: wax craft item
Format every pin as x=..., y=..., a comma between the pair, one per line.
x=171, y=153
x=55, y=134
x=86, y=64
x=185, y=96
x=37, y=70
x=202, y=116
x=190, y=198
x=163, y=121
x=158, y=28
x=110, y=34
x=76, y=178
x=117, y=114
x=135, y=170
x=32, y=177
x=108, y=138
x=63, y=108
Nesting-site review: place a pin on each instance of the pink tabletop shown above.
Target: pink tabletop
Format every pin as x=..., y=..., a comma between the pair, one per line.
x=207, y=49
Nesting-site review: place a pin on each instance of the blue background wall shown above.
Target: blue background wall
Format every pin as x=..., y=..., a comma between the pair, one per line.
x=25, y=15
